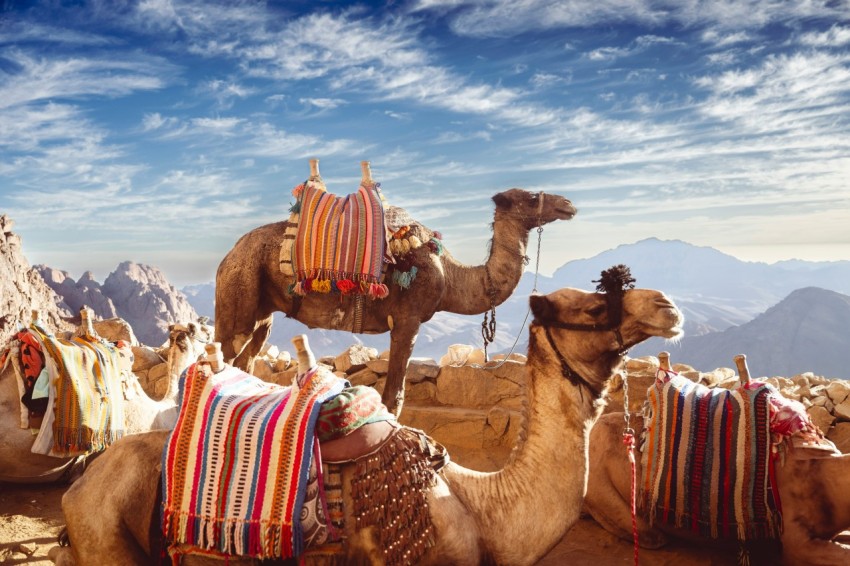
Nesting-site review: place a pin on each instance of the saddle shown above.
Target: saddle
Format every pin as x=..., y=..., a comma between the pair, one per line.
x=253, y=506
x=344, y=244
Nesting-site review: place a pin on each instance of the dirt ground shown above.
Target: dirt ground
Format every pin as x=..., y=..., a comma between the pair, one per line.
x=31, y=517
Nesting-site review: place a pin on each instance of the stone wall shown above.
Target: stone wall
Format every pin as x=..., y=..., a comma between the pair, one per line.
x=476, y=410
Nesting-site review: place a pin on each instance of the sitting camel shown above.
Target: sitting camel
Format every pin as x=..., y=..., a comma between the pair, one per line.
x=250, y=286
x=577, y=341
x=814, y=491
x=141, y=413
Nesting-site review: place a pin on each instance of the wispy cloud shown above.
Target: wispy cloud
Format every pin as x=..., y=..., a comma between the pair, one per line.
x=500, y=17
x=836, y=36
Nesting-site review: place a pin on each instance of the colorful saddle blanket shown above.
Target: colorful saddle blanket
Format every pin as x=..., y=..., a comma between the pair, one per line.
x=236, y=466
x=707, y=460
x=87, y=399
x=341, y=243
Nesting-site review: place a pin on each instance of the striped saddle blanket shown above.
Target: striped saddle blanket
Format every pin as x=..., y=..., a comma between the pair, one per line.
x=707, y=462
x=341, y=242
x=87, y=398
x=236, y=466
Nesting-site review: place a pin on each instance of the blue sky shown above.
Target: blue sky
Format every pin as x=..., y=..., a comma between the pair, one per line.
x=160, y=131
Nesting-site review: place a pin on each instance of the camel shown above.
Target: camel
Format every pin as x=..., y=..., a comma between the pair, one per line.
x=814, y=490
x=512, y=516
x=250, y=286
x=18, y=464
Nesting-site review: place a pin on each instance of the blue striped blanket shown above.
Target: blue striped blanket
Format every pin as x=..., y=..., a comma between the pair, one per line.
x=707, y=462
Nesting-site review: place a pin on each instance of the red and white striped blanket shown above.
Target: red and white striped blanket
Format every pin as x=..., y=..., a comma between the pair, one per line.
x=236, y=465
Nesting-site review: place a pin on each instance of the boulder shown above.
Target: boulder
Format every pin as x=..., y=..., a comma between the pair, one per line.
x=145, y=358
x=821, y=417
x=115, y=329
x=840, y=435
x=379, y=365
x=420, y=369
x=842, y=410
x=838, y=391
x=354, y=358
x=363, y=377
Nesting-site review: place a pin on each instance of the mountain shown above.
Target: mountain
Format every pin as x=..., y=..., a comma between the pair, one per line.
x=806, y=331
x=140, y=294
x=715, y=291
x=22, y=289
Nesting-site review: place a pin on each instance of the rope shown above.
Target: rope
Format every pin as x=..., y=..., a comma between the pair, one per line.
x=629, y=441
x=492, y=323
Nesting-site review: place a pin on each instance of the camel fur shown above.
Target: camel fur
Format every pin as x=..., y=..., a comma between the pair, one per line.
x=19, y=464
x=814, y=489
x=250, y=287
x=512, y=516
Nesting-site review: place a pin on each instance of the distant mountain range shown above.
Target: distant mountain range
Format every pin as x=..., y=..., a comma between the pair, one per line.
x=787, y=317
x=717, y=292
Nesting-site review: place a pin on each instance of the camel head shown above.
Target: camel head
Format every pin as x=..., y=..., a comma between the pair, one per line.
x=534, y=209
x=591, y=332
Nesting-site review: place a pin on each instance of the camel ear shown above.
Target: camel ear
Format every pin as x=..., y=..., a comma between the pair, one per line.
x=501, y=200
x=170, y=327
x=542, y=309
x=192, y=329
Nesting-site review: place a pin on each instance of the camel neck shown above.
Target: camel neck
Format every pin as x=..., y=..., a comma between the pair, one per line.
x=475, y=289
x=542, y=487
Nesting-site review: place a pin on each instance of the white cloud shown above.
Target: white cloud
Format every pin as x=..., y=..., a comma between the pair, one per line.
x=155, y=121
x=507, y=17
x=67, y=78
x=836, y=36
x=322, y=103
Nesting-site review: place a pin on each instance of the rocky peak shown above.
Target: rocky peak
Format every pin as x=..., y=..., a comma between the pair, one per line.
x=22, y=289
x=143, y=297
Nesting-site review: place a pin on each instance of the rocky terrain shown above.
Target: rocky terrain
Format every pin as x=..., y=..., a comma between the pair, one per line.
x=22, y=288
x=139, y=294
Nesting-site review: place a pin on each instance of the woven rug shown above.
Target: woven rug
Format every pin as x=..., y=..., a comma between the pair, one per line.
x=707, y=460
x=88, y=404
x=341, y=243
x=235, y=468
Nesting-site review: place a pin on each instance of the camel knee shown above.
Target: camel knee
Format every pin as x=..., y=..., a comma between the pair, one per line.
x=238, y=343
x=61, y=556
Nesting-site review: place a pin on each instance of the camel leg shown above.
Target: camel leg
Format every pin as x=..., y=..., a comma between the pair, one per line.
x=402, y=339
x=245, y=359
x=609, y=488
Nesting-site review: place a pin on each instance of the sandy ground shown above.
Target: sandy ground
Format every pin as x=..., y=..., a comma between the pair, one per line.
x=30, y=519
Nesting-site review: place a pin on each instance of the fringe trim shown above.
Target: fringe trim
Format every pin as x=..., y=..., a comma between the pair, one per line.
x=76, y=441
x=328, y=281
x=405, y=278
x=389, y=490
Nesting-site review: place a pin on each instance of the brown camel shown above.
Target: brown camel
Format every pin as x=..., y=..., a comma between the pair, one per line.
x=814, y=490
x=513, y=516
x=250, y=287
x=141, y=414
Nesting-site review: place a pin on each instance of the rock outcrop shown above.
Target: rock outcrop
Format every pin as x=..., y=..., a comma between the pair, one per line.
x=22, y=289
x=139, y=294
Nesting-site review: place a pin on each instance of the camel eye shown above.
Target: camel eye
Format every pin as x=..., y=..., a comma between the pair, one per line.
x=598, y=310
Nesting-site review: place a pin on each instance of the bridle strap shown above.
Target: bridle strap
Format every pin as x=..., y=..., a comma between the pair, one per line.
x=568, y=372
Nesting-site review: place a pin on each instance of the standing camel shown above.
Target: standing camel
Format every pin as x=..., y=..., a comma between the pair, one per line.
x=513, y=516
x=250, y=287
x=141, y=413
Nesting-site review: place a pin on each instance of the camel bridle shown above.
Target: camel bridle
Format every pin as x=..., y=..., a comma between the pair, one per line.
x=613, y=283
